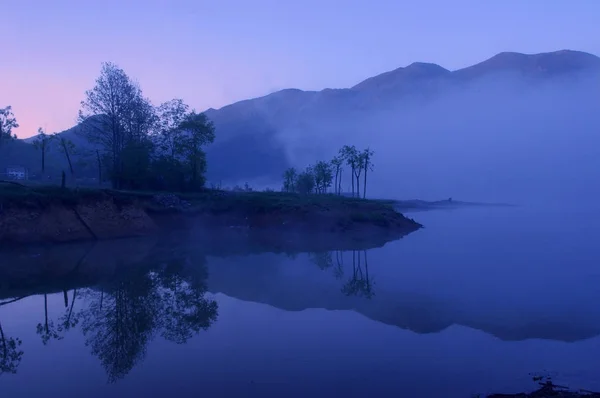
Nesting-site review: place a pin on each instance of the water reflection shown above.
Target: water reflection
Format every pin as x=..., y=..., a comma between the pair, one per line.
x=163, y=295
x=122, y=295
x=359, y=283
x=10, y=352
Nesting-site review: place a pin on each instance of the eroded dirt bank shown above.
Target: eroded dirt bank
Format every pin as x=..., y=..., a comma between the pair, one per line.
x=57, y=216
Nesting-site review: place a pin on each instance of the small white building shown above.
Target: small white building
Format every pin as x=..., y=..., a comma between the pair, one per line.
x=17, y=173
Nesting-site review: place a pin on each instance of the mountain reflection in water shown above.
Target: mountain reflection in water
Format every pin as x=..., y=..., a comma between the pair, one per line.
x=122, y=297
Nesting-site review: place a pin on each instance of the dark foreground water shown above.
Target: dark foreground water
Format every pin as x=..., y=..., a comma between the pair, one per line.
x=479, y=301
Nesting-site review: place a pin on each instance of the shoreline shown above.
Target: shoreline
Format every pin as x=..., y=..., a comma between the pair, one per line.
x=30, y=215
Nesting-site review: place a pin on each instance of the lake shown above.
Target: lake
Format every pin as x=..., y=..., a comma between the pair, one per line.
x=479, y=301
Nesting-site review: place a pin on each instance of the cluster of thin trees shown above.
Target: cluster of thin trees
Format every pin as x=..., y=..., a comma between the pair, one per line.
x=136, y=145
x=322, y=176
x=43, y=142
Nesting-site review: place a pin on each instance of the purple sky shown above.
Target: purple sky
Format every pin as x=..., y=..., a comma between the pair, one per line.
x=212, y=53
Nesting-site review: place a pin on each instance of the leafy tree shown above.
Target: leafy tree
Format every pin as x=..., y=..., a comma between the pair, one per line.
x=7, y=123
x=323, y=175
x=42, y=143
x=290, y=180
x=167, y=173
x=115, y=114
x=367, y=165
x=171, y=115
x=197, y=132
x=136, y=158
x=306, y=181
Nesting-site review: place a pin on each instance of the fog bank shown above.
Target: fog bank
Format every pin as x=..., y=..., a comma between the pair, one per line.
x=500, y=139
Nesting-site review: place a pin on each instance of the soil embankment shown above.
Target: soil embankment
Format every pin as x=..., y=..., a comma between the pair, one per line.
x=53, y=215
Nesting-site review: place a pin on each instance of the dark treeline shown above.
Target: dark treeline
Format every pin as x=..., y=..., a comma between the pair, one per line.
x=132, y=143
x=325, y=175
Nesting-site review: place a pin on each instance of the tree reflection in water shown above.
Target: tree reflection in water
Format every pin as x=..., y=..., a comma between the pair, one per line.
x=360, y=283
x=10, y=353
x=119, y=324
x=163, y=296
x=47, y=330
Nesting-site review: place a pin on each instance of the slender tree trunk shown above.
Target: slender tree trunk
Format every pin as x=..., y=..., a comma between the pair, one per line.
x=367, y=271
x=336, y=175
x=66, y=297
x=340, y=182
x=64, y=145
x=3, y=341
x=71, y=309
x=352, y=178
x=365, y=183
x=46, y=311
x=99, y=167
x=357, y=186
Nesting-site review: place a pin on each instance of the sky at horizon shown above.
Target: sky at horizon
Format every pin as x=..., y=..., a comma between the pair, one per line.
x=213, y=53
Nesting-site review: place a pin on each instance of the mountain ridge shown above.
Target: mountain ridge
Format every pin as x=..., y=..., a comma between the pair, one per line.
x=579, y=60
x=258, y=132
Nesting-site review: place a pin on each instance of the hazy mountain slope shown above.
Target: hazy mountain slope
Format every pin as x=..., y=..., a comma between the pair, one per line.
x=309, y=125
x=425, y=123
x=84, y=160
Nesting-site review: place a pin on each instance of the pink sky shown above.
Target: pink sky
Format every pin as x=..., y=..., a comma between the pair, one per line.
x=212, y=53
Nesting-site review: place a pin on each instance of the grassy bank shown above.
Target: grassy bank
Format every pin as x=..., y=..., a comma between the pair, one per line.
x=213, y=201
x=111, y=213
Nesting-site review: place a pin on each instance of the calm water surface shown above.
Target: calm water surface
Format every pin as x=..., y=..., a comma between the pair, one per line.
x=477, y=302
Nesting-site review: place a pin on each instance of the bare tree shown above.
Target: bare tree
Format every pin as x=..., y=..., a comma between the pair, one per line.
x=67, y=147
x=42, y=143
x=337, y=162
x=367, y=165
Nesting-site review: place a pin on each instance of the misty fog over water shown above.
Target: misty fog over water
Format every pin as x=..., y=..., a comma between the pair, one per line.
x=501, y=138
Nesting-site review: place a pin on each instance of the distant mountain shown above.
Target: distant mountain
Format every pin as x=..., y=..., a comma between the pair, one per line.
x=254, y=136
x=534, y=65
x=253, y=131
x=23, y=153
